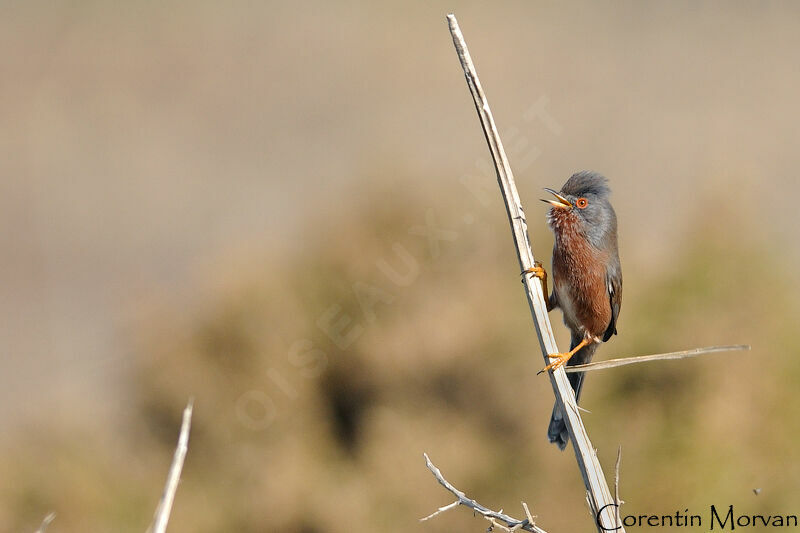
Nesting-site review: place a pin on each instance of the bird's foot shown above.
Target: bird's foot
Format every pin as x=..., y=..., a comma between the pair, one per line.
x=562, y=358
x=537, y=270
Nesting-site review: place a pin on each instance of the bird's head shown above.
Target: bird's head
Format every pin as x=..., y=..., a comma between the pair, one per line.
x=583, y=204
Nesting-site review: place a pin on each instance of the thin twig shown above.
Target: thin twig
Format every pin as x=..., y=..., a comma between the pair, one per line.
x=613, y=363
x=584, y=451
x=528, y=513
x=440, y=510
x=495, y=517
x=161, y=517
x=616, y=485
x=46, y=522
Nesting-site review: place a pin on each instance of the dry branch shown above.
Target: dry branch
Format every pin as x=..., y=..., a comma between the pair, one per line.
x=46, y=522
x=617, y=501
x=161, y=517
x=497, y=518
x=613, y=363
x=596, y=486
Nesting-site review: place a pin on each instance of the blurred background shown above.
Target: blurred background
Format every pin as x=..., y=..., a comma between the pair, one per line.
x=287, y=211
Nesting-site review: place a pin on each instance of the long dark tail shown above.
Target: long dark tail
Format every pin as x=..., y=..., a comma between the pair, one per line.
x=557, y=430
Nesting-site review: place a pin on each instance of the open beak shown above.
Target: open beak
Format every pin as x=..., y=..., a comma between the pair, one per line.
x=560, y=202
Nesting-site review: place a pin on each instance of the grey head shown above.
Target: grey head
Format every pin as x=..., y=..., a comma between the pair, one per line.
x=584, y=198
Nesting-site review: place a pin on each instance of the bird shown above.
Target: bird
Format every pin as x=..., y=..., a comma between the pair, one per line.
x=587, y=276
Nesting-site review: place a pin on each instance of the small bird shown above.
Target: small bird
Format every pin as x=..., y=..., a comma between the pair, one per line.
x=587, y=278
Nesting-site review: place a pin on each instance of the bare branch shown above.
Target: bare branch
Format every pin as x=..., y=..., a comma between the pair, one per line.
x=613, y=363
x=528, y=513
x=440, y=510
x=584, y=451
x=497, y=518
x=161, y=517
x=616, y=485
x=46, y=522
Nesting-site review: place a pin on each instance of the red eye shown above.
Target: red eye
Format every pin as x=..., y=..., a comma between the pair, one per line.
x=582, y=202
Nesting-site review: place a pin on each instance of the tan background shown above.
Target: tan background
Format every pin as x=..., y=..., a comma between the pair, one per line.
x=188, y=190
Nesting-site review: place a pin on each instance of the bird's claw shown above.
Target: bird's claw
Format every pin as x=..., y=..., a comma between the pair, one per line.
x=537, y=270
x=560, y=360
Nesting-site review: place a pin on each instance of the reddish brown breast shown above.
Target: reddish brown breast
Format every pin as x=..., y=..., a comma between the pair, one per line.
x=579, y=278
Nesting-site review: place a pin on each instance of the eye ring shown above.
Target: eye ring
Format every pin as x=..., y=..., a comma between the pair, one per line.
x=581, y=203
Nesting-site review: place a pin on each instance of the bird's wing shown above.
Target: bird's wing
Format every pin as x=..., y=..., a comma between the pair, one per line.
x=614, y=287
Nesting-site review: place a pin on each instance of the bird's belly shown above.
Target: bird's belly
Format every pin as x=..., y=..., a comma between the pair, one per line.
x=583, y=296
x=565, y=301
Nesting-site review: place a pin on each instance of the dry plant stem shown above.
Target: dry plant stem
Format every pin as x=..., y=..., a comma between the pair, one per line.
x=46, y=522
x=599, y=494
x=613, y=363
x=616, y=486
x=161, y=517
x=497, y=518
x=528, y=513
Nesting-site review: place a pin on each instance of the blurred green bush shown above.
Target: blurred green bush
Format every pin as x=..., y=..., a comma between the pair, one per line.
x=321, y=373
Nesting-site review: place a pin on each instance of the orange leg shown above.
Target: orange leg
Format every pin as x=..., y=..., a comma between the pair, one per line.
x=538, y=271
x=562, y=358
